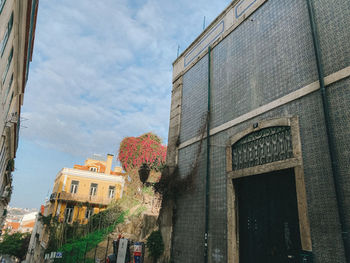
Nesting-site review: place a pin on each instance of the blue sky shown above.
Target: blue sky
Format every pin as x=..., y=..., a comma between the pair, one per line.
x=101, y=71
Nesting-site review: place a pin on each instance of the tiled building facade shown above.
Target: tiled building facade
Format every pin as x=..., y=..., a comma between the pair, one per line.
x=268, y=131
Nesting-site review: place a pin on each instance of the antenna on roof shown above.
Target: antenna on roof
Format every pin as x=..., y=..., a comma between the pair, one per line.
x=47, y=197
x=178, y=50
x=204, y=23
x=98, y=157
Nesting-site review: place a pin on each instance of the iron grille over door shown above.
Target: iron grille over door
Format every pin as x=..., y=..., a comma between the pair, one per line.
x=261, y=147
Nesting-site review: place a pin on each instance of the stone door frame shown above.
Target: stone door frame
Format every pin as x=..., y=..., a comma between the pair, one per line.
x=295, y=163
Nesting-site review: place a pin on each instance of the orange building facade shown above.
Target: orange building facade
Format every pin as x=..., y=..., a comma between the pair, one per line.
x=84, y=190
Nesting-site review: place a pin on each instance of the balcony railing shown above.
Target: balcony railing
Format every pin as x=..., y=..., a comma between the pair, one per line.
x=64, y=196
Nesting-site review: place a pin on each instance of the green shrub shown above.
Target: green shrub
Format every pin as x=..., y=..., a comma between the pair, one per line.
x=155, y=245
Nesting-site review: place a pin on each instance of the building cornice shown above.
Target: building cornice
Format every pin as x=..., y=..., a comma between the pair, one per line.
x=237, y=12
x=297, y=94
x=91, y=175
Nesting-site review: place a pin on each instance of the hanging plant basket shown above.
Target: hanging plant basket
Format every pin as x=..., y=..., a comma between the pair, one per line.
x=144, y=172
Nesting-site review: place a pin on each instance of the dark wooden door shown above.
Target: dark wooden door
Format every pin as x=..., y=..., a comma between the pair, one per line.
x=268, y=218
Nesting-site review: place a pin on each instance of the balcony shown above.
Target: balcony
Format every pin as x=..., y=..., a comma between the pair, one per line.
x=53, y=197
x=64, y=196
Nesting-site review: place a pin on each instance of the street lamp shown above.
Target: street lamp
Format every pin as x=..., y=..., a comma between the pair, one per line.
x=144, y=172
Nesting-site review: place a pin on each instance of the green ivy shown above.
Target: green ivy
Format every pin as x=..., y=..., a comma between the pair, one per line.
x=46, y=220
x=74, y=249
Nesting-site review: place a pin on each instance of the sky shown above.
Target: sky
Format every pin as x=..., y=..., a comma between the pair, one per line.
x=101, y=71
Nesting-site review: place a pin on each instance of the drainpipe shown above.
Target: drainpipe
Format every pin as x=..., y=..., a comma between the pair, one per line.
x=330, y=139
x=207, y=179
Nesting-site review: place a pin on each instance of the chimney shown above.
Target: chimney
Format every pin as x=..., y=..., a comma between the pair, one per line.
x=42, y=209
x=109, y=163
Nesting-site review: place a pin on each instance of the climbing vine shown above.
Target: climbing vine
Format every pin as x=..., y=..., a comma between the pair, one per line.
x=147, y=148
x=171, y=184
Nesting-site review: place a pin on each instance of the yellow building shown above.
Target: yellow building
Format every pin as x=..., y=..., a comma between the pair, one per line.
x=84, y=190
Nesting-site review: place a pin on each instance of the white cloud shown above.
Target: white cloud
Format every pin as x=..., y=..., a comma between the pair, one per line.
x=102, y=70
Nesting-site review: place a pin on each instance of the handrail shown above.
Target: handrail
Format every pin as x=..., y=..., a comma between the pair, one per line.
x=81, y=198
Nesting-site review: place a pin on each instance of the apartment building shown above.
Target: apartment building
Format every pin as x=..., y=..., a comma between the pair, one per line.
x=24, y=225
x=78, y=193
x=84, y=190
x=17, y=31
x=39, y=238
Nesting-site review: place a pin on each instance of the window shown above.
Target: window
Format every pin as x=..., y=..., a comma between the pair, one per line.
x=111, y=192
x=9, y=105
x=3, y=158
x=74, y=187
x=93, y=189
x=9, y=59
x=93, y=169
x=68, y=217
x=2, y=3
x=3, y=153
x=8, y=89
x=7, y=34
x=89, y=212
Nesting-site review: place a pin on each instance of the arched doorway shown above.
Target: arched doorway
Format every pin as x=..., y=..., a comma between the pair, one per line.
x=267, y=216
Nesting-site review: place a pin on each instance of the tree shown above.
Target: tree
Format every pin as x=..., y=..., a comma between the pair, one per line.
x=15, y=245
x=147, y=148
